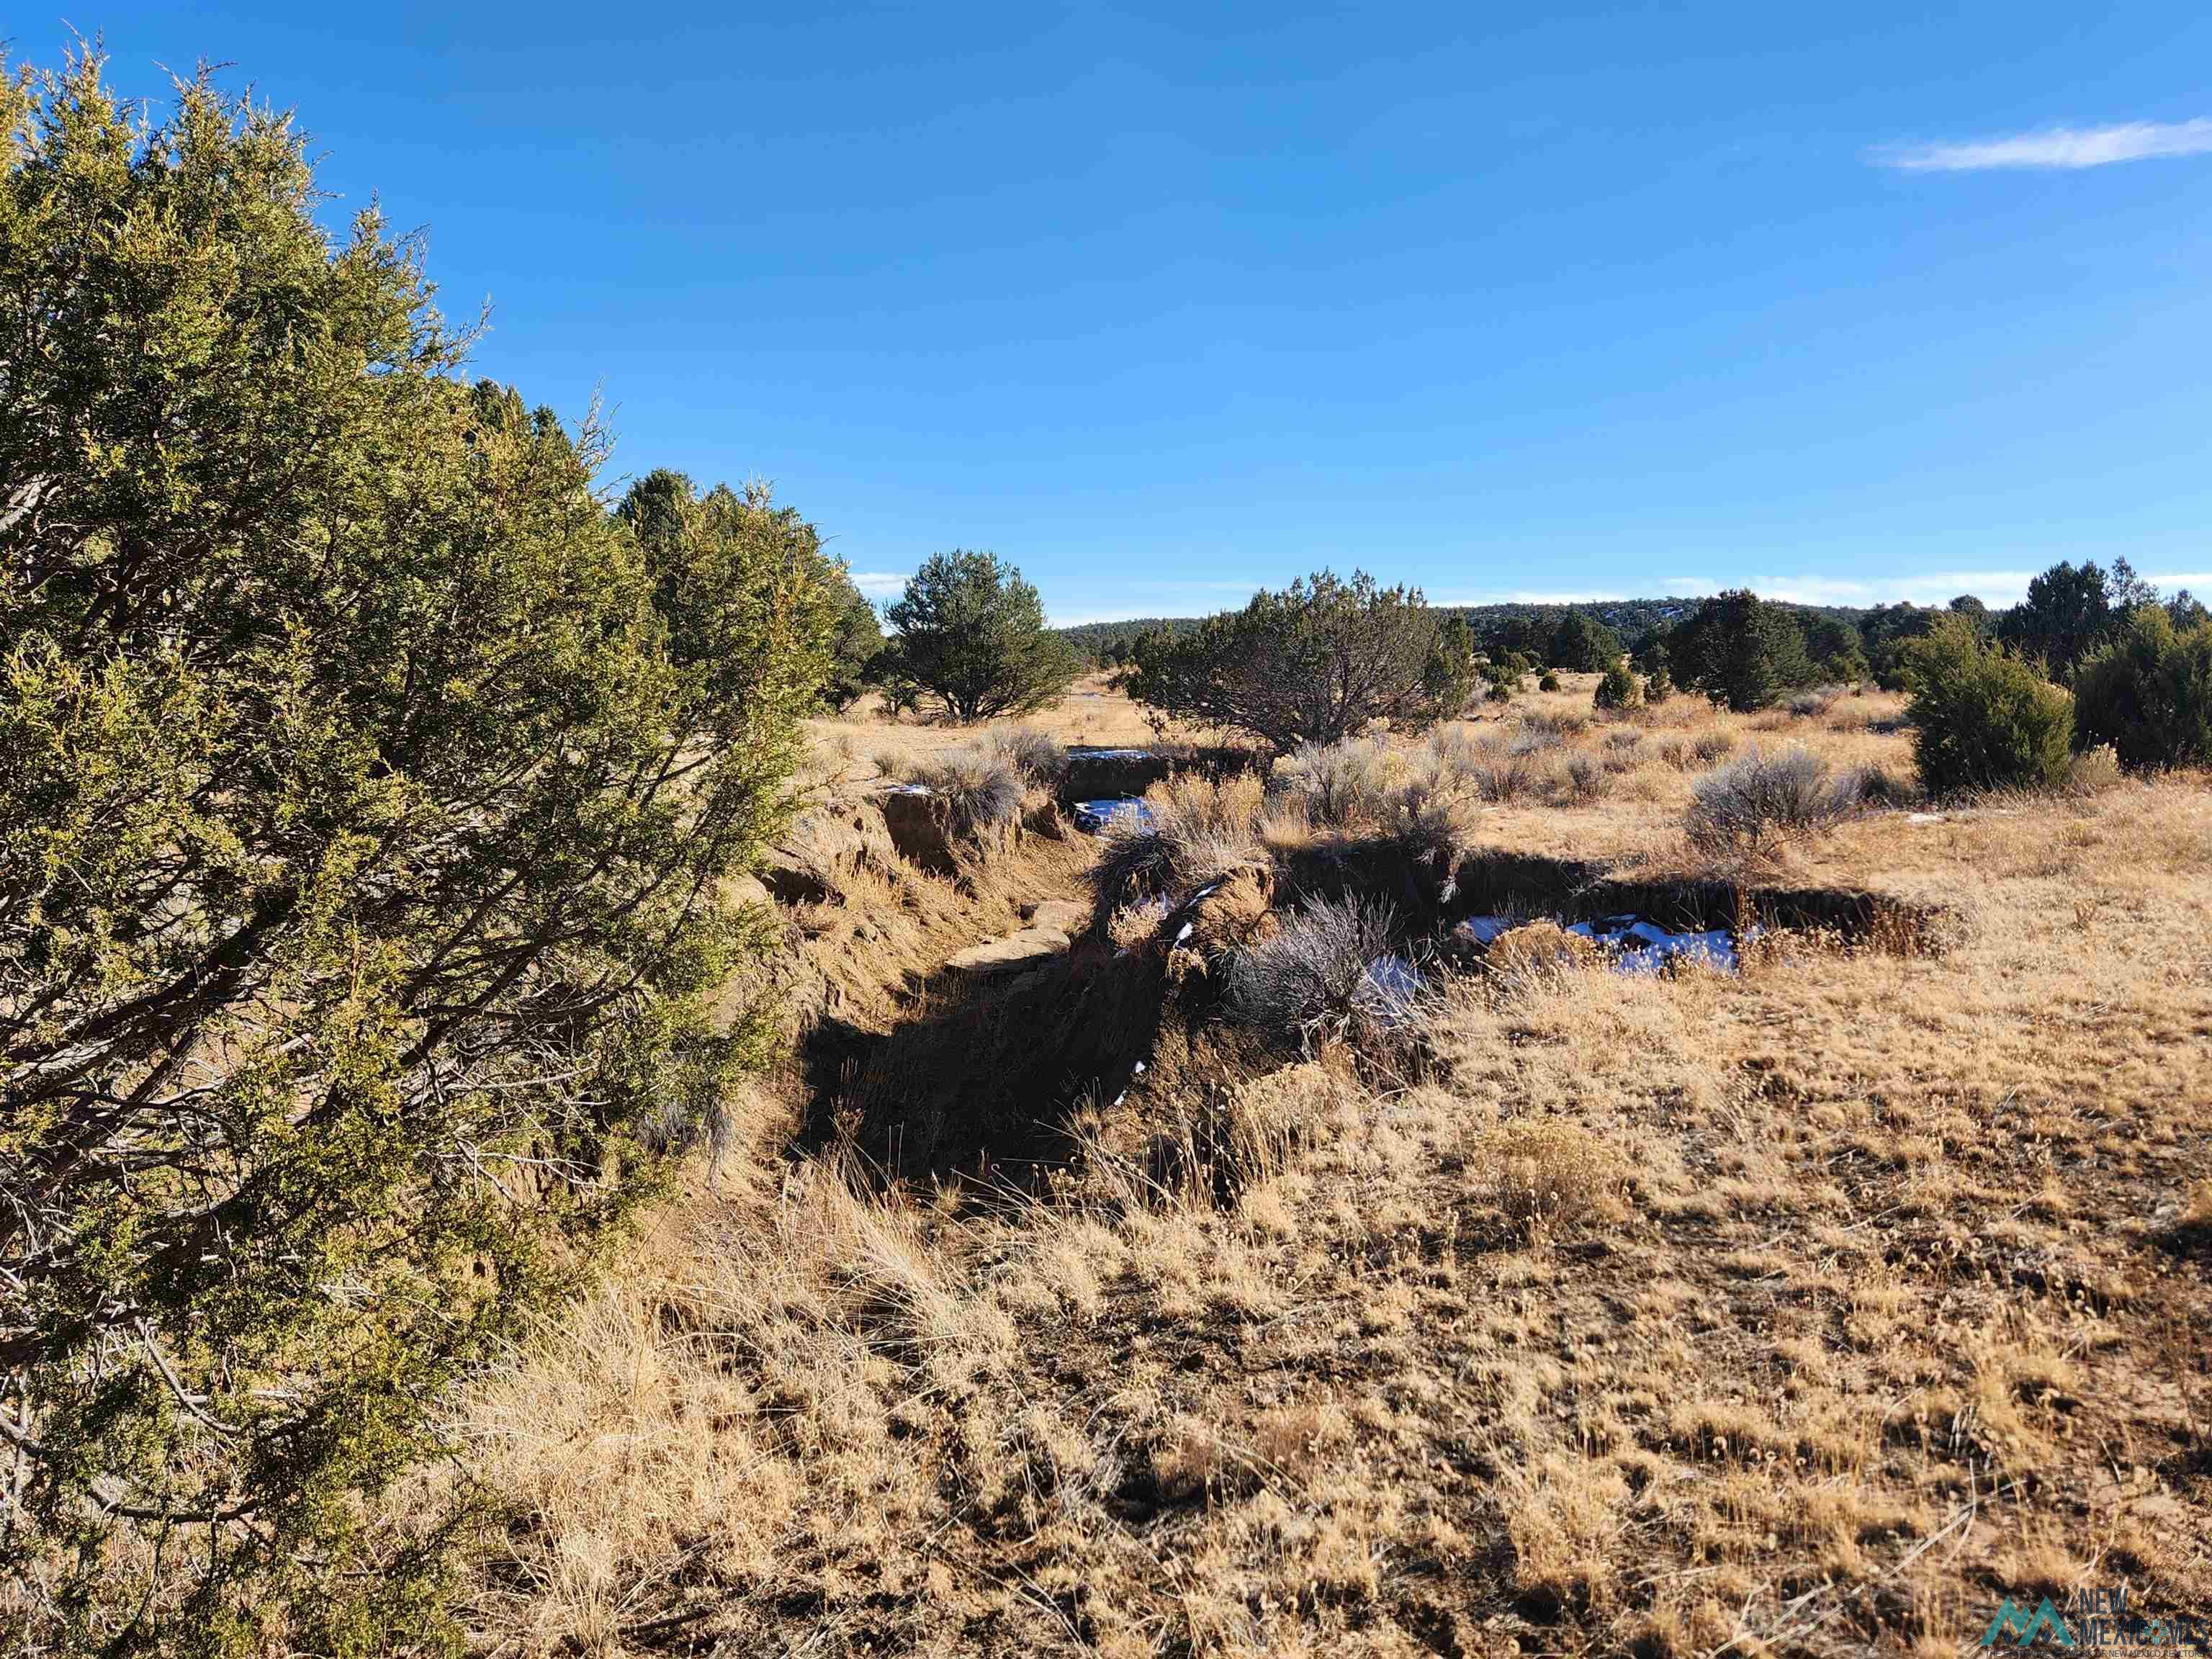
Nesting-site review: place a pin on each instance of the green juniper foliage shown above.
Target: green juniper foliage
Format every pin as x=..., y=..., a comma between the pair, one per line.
x=365, y=790
x=1316, y=663
x=1982, y=717
x=2148, y=692
x=1619, y=688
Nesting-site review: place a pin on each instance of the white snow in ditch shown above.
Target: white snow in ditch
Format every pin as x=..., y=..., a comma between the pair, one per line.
x=1391, y=986
x=1637, y=946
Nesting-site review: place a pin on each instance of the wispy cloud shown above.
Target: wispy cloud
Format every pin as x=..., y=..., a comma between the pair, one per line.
x=2054, y=146
x=880, y=584
x=1930, y=587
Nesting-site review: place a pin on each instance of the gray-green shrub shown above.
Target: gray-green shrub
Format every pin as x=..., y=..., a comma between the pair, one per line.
x=1310, y=981
x=1760, y=801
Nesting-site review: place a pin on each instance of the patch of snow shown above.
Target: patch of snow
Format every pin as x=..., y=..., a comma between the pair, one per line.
x=1390, y=987
x=1482, y=930
x=1092, y=817
x=1641, y=946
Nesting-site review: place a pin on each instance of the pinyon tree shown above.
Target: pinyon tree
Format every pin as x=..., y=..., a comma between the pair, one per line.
x=366, y=789
x=970, y=632
x=1316, y=663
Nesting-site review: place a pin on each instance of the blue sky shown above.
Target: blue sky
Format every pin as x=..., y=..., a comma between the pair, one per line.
x=1164, y=303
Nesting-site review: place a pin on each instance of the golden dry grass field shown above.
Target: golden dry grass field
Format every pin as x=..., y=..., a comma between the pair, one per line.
x=1810, y=1310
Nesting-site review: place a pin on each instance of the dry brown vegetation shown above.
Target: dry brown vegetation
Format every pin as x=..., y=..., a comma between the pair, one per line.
x=1809, y=1310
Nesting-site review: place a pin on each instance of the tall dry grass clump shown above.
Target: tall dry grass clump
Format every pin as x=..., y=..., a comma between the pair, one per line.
x=979, y=790
x=1035, y=755
x=740, y=1378
x=1202, y=830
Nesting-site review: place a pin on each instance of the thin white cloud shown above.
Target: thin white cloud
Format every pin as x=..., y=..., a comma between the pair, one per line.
x=1932, y=587
x=2055, y=147
x=881, y=584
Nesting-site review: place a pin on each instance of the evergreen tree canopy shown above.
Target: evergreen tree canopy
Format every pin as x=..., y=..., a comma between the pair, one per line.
x=1316, y=663
x=1582, y=644
x=2066, y=613
x=971, y=633
x=1739, y=650
x=365, y=789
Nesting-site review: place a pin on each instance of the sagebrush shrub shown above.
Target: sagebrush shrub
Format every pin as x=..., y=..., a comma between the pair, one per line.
x=1508, y=778
x=1343, y=783
x=1554, y=724
x=1311, y=981
x=1549, y=682
x=1982, y=718
x=1758, y=802
x=1582, y=779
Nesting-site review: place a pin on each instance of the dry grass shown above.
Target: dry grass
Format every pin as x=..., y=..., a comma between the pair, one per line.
x=1805, y=1312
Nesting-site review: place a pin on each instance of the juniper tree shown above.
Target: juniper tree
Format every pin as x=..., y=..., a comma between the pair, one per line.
x=365, y=793
x=1315, y=662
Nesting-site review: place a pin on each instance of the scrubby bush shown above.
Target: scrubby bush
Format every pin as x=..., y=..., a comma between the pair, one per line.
x=1658, y=686
x=1317, y=662
x=2147, y=693
x=1549, y=682
x=1554, y=725
x=1313, y=981
x=1710, y=746
x=1582, y=779
x=366, y=786
x=1873, y=785
x=1343, y=783
x=1508, y=778
x=1755, y=803
x=1618, y=689
x=1807, y=705
x=1982, y=718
